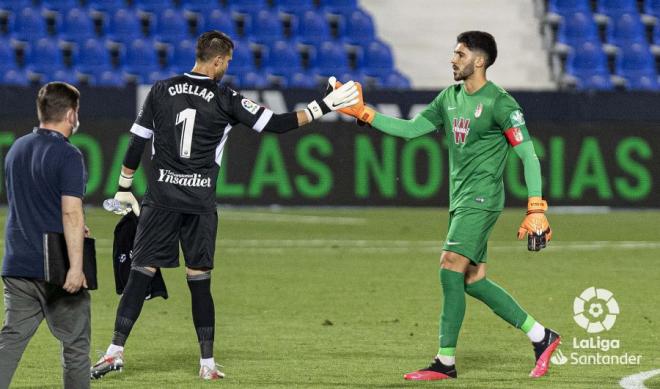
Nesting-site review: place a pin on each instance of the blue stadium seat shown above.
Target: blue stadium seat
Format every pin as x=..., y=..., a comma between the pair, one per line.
x=153, y=5
x=614, y=8
x=313, y=29
x=141, y=57
x=577, y=28
x=7, y=56
x=64, y=75
x=15, y=5
x=254, y=80
x=160, y=75
x=242, y=59
x=184, y=56
x=656, y=34
x=93, y=56
x=220, y=20
x=359, y=28
x=60, y=5
x=296, y=7
x=652, y=7
x=109, y=7
x=626, y=29
x=109, y=78
x=283, y=59
x=586, y=60
x=330, y=59
x=78, y=26
x=30, y=25
x=302, y=80
x=15, y=77
x=339, y=6
x=394, y=80
x=568, y=7
x=200, y=6
x=46, y=56
x=269, y=27
x=124, y=26
x=378, y=60
x=600, y=80
x=248, y=6
x=172, y=26
x=637, y=65
x=357, y=76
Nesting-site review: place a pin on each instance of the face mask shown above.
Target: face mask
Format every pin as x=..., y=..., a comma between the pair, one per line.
x=75, y=128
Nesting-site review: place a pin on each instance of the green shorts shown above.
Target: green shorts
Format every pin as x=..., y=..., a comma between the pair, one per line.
x=468, y=233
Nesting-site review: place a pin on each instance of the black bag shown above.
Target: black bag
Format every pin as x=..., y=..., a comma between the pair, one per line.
x=122, y=251
x=56, y=260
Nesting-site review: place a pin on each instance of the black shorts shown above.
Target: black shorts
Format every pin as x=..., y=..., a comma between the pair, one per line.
x=159, y=232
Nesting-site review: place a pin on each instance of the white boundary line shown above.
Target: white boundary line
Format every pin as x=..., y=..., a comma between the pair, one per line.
x=636, y=381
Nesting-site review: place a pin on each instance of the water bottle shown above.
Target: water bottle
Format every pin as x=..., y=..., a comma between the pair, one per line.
x=114, y=205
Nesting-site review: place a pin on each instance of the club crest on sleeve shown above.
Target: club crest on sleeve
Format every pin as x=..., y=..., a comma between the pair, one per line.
x=250, y=106
x=517, y=118
x=517, y=135
x=477, y=112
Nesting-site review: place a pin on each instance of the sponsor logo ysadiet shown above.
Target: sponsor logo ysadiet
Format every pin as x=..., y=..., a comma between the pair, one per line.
x=190, y=180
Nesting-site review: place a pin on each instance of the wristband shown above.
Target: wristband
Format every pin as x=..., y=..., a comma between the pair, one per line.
x=317, y=109
x=536, y=205
x=125, y=181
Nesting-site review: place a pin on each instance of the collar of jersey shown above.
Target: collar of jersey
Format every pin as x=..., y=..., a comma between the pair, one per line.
x=197, y=76
x=478, y=90
x=45, y=131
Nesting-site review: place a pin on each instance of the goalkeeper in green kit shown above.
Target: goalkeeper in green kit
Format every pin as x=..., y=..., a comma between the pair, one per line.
x=481, y=122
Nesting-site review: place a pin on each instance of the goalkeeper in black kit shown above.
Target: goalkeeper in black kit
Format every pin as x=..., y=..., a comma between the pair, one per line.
x=188, y=119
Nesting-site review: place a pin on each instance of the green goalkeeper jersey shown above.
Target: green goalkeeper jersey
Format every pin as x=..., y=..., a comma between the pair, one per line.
x=479, y=128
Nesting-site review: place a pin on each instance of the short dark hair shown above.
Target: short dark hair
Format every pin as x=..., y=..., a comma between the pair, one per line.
x=211, y=44
x=480, y=40
x=54, y=100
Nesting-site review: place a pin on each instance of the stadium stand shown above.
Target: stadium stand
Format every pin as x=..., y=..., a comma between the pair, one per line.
x=280, y=43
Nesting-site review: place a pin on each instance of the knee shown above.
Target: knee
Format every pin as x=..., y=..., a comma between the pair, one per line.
x=452, y=261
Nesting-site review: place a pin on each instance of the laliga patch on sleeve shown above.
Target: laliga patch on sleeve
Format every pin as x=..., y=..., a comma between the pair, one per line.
x=250, y=106
x=517, y=118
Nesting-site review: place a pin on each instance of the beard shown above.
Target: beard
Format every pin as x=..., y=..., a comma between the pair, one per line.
x=465, y=73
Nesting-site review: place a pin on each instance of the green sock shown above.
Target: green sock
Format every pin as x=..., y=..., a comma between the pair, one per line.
x=453, y=310
x=500, y=302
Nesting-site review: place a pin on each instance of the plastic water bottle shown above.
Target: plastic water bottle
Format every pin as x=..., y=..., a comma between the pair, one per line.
x=114, y=205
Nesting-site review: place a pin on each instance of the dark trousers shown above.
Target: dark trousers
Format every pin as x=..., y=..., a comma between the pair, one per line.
x=27, y=303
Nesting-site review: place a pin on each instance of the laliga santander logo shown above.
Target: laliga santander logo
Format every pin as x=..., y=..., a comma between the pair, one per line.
x=595, y=310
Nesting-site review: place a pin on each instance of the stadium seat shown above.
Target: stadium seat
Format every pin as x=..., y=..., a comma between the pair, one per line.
x=184, y=56
x=296, y=7
x=330, y=59
x=200, y=6
x=248, y=6
x=359, y=28
x=568, y=7
x=160, y=75
x=576, y=29
x=301, y=80
x=378, y=60
x=15, y=77
x=172, y=26
x=30, y=25
x=78, y=26
x=124, y=26
x=109, y=78
x=588, y=65
x=15, y=5
x=220, y=20
x=253, y=80
x=242, y=60
x=626, y=29
x=637, y=65
x=269, y=27
x=93, y=56
x=339, y=6
x=313, y=29
x=64, y=75
x=7, y=56
x=394, y=80
x=153, y=5
x=46, y=56
x=60, y=5
x=652, y=7
x=141, y=57
x=283, y=59
x=600, y=80
x=109, y=7
x=614, y=8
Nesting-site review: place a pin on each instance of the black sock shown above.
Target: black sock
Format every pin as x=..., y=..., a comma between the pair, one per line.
x=203, y=312
x=131, y=303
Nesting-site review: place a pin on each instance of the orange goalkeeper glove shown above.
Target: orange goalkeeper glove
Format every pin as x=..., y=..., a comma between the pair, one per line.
x=361, y=112
x=535, y=225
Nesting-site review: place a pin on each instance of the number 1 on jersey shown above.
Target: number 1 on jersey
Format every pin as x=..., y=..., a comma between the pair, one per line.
x=187, y=117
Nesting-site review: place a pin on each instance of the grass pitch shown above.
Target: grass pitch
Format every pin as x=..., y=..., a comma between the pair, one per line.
x=350, y=298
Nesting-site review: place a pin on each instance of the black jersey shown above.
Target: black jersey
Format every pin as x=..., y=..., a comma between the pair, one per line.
x=190, y=117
